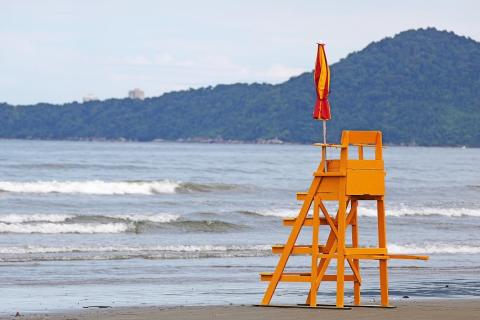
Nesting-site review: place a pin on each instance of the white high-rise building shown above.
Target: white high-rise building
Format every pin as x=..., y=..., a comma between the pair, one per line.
x=136, y=94
x=89, y=97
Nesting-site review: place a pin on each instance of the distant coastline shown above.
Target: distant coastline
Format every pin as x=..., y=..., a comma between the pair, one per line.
x=201, y=140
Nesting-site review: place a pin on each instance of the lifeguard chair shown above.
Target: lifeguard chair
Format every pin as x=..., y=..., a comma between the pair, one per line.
x=346, y=181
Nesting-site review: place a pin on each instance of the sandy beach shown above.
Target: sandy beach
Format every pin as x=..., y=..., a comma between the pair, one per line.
x=413, y=309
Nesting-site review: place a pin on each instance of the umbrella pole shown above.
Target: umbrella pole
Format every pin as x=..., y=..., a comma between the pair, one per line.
x=324, y=132
x=325, y=142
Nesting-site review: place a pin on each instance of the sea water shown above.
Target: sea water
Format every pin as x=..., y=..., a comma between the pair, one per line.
x=122, y=223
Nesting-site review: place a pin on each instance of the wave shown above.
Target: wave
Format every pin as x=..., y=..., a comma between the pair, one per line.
x=69, y=166
x=159, y=218
x=132, y=217
x=21, y=218
x=120, y=223
x=425, y=211
x=49, y=227
x=433, y=249
x=200, y=187
x=372, y=212
x=121, y=248
x=204, y=226
x=45, y=253
x=99, y=187
x=117, y=252
x=282, y=213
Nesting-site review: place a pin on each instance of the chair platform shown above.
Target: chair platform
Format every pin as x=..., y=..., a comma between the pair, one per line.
x=302, y=306
x=354, y=306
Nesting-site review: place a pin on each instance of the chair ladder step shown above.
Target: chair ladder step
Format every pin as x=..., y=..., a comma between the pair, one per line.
x=289, y=222
x=302, y=277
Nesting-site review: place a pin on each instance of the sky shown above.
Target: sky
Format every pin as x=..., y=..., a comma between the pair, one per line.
x=59, y=51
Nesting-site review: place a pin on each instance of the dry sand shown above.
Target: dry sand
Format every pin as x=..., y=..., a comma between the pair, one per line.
x=426, y=309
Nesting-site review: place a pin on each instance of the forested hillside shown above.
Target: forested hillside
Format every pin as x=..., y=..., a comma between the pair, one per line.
x=419, y=87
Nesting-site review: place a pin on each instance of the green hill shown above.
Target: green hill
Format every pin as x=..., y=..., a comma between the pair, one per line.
x=419, y=87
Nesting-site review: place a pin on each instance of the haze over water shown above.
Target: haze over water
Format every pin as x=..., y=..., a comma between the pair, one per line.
x=108, y=223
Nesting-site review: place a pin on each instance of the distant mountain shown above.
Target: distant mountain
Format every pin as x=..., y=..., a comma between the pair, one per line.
x=419, y=87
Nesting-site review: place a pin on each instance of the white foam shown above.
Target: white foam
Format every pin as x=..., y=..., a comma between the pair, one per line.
x=91, y=187
x=433, y=248
x=19, y=218
x=392, y=212
x=212, y=248
x=282, y=213
x=425, y=211
x=222, y=250
x=134, y=217
x=49, y=227
x=121, y=248
x=159, y=218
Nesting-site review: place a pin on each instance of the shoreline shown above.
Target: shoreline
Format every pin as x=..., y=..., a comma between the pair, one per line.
x=438, y=309
x=225, y=142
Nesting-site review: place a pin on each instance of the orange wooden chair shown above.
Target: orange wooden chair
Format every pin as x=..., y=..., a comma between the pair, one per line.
x=345, y=181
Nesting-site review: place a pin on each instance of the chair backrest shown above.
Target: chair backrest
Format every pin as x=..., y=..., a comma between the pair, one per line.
x=364, y=138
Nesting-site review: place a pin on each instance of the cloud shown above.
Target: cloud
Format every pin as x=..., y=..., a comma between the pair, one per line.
x=214, y=64
x=16, y=45
x=136, y=61
x=164, y=59
x=281, y=72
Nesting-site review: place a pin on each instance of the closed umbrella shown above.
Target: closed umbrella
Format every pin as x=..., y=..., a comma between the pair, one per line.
x=321, y=76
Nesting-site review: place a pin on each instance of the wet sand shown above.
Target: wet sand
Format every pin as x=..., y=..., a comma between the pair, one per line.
x=456, y=309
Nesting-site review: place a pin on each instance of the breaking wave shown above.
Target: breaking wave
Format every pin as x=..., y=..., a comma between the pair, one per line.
x=372, y=212
x=119, y=252
x=46, y=253
x=133, y=217
x=200, y=187
x=425, y=211
x=120, y=248
x=433, y=249
x=282, y=213
x=21, y=218
x=120, y=223
x=203, y=226
x=49, y=227
x=99, y=187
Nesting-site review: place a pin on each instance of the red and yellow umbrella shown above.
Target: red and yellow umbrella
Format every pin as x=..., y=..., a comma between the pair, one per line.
x=321, y=76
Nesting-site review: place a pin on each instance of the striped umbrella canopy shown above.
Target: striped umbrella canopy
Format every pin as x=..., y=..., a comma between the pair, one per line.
x=321, y=76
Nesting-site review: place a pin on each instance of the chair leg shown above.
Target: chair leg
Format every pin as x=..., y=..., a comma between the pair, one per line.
x=355, y=243
x=382, y=243
x=314, y=271
x=341, y=252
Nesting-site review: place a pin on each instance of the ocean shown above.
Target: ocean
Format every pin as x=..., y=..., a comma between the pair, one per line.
x=130, y=224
